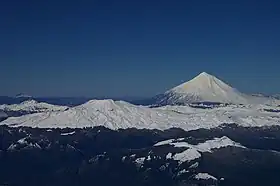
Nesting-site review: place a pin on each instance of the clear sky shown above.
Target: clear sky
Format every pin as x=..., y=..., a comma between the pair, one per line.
x=136, y=47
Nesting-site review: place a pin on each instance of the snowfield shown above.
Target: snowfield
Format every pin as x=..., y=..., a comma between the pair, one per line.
x=121, y=115
x=194, y=151
x=32, y=106
x=204, y=176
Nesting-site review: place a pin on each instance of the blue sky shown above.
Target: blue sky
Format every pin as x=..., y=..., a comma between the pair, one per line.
x=136, y=48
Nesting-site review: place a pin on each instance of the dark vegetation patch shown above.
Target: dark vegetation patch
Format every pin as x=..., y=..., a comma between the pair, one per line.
x=99, y=156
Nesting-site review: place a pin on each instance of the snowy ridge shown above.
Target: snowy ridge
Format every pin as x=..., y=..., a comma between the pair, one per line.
x=204, y=176
x=24, y=143
x=206, y=146
x=208, y=88
x=194, y=151
x=110, y=114
x=121, y=115
x=32, y=106
x=68, y=133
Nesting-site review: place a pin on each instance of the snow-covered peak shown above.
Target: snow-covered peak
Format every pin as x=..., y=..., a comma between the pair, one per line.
x=29, y=102
x=104, y=105
x=203, y=75
x=32, y=106
x=202, y=88
x=203, y=82
x=98, y=103
x=208, y=88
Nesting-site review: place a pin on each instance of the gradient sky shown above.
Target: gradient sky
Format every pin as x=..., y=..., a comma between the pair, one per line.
x=136, y=47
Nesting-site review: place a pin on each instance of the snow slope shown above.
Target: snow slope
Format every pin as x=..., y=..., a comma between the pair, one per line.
x=204, y=176
x=111, y=114
x=194, y=151
x=120, y=114
x=208, y=88
x=32, y=106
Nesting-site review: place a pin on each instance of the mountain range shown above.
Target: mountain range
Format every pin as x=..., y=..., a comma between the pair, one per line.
x=203, y=102
x=202, y=132
x=202, y=88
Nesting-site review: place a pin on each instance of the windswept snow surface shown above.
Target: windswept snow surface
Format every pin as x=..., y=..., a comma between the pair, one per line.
x=194, y=151
x=68, y=133
x=208, y=88
x=166, y=142
x=168, y=156
x=206, y=146
x=187, y=155
x=23, y=142
x=204, y=176
x=182, y=172
x=32, y=106
x=140, y=161
x=121, y=115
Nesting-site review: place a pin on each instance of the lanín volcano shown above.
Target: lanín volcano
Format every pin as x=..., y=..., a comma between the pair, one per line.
x=208, y=88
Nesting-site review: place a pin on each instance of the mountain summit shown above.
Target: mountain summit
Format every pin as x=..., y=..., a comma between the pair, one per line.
x=203, y=83
x=207, y=88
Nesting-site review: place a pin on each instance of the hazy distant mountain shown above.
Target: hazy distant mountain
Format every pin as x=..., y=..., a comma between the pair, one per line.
x=22, y=95
x=32, y=106
x=69, y=101
x=277, y=96
x=27, y=107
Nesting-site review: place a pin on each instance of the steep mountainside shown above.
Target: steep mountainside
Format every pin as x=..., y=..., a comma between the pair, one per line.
x=208, y=88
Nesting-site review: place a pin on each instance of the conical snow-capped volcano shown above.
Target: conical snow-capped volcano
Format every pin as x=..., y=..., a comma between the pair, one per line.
x=207, y=88
x=206, y=84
